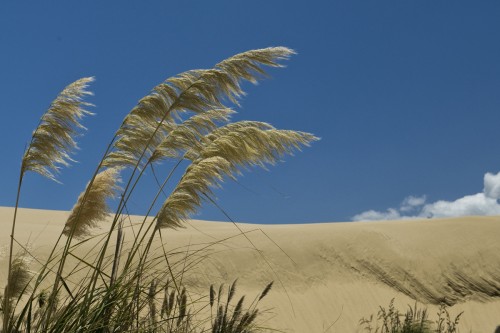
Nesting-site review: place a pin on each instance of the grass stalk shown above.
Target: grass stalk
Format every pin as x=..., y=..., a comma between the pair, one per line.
x=7, y=311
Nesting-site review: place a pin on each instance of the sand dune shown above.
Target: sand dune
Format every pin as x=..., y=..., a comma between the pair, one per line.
x=327, y=276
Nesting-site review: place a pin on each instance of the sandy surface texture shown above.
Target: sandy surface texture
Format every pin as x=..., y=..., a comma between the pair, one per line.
x=327, y=276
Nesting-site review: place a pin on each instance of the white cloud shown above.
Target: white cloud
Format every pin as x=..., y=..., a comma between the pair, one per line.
x=492, y=185
x=410, y=203
x=373, y=215
x=476, y=204
x=485, y=203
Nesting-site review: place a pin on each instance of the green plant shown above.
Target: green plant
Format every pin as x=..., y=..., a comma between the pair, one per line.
x=414, y=320
x=184, y=123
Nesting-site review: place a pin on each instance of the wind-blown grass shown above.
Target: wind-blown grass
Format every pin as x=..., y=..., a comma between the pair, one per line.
x=184, y=120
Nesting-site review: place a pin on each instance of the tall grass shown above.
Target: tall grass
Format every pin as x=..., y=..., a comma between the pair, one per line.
x=183, y=124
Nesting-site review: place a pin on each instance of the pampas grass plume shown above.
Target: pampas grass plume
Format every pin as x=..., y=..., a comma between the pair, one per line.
x=19, y=277
x=182, y=120
x=91, y=207
x=198, y=91
x=53, y=139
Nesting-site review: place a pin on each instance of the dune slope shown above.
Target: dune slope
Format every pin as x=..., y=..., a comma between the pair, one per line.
x=327, y=276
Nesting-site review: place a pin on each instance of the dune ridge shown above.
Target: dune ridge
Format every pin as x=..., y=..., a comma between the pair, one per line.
x=330, y=273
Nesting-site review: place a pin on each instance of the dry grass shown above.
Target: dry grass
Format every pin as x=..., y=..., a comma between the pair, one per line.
x=184, y=120
x=414, y=320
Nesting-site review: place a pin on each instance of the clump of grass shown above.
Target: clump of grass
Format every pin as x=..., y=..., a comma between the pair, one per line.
x=183, y=123
x=229, y=318
x=414, y=320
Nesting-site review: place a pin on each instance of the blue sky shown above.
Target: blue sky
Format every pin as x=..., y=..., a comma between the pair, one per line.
x=404, y=94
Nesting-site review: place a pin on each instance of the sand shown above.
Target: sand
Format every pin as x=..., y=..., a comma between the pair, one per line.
x=329, y=275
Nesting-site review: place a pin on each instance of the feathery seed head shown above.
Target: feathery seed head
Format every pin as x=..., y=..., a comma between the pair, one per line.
x=188, y=134
x=19, y=277
x=186, y=197
x=219, y=294
x=266, y=290
x=252, y=143
x=53, y=139
x=222, y=154
x=237, y=311
x=91, y=207
x=196, y=91
x=231, y=292
x=212, y=295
